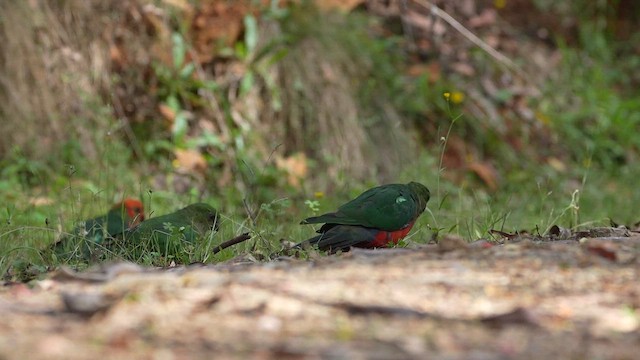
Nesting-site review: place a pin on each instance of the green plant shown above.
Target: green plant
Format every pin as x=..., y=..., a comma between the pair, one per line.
x=178, y=90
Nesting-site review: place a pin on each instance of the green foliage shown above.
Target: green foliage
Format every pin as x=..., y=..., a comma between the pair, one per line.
x=594, y=103
x=594, y=118
x=17, y=169
x=313, y=205
x=179, y=89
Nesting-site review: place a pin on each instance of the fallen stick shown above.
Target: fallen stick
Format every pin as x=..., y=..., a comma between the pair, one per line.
x=236, y=240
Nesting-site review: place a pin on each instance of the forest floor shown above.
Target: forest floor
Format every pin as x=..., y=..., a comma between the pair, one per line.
x=524, y=299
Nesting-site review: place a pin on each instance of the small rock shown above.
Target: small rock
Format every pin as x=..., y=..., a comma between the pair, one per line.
x=87, y=303
x=451, y=243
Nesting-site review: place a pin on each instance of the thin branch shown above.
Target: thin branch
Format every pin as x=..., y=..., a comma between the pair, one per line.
x=236, y=240
x=471, y=36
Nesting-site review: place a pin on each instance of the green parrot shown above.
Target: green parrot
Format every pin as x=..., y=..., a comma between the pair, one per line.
x=94, y=233
x=166, y=234
x=379, y=216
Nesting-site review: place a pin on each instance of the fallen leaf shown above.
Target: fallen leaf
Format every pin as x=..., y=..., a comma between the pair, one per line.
x=432, y=70
x=189, y=161
x=117, y=56
x=40, y=201
x=295, y=166
x=486, y=172
x=167, y=112
x=557, y=164
x=217, y=23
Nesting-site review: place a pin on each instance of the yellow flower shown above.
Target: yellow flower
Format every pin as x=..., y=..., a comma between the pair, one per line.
x=457, y=97
x=318, y=194
x=500, y=4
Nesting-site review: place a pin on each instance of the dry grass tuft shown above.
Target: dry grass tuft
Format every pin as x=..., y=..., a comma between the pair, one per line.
x=69, y=69
x=52, y=64
x=324, y=114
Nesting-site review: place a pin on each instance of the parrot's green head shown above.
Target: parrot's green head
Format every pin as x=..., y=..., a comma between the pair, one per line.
x=204, y=216
x=421, y=194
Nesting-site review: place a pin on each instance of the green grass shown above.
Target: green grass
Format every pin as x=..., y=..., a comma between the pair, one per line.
x=533, y=201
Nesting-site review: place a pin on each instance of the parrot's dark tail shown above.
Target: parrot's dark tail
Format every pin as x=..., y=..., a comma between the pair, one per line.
x=309, y=243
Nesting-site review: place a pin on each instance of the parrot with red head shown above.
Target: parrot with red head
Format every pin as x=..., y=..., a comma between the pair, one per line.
x=94, y=233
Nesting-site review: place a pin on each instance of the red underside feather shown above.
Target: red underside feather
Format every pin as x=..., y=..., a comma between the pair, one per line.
x=385, y=237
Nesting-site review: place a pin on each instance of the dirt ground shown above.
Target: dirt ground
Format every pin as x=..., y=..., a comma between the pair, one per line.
x=570, y=299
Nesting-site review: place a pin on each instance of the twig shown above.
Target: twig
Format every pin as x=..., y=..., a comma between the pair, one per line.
x=236, y=240
x=471, y=36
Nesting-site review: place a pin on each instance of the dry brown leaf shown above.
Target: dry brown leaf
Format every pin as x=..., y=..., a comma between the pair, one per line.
x=295, y=166
x=117, y=56
x=486, y=172
x=432, y=69
x=557, y=164
x=215, y=23
x=40, y=201
x=167, y=112
x=189, y=161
